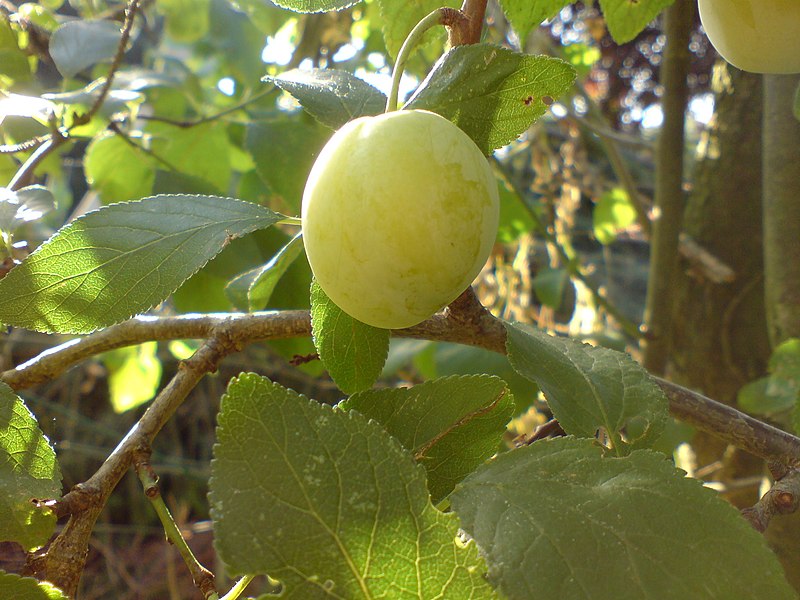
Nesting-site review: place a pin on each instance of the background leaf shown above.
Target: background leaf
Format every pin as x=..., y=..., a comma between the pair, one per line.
x=116, y=170
x=77, y=45
x=328, y=503
x=352, y=352
x=525, y=15
x=558, y=520
x=26, y=588
x=252, y=290
x=122, y=260
x=399, y=18
x=134, y=374
x=613, y=213
x=13, y=62
x=450, y=425
x=284, y=151
x=332, y=96
x=492, y=93
x=28, y=471
x=590, y=388
x=626, y=18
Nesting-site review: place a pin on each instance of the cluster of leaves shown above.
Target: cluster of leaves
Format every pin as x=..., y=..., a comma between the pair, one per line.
x=393, y=492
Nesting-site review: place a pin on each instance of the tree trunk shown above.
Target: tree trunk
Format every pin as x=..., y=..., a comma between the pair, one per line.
x=719, y=331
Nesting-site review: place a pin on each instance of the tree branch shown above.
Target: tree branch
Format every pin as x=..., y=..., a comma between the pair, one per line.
x=462, y=323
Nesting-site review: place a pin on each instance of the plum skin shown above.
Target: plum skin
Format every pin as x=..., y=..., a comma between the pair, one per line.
x=399, y=214
x=760, y=36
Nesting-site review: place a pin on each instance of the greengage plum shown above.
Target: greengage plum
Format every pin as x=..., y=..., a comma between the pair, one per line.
x=761, y=36
x=399, y=215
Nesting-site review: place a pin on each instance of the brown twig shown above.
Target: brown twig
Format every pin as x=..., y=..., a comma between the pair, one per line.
x=783, y=498
x=127, y=26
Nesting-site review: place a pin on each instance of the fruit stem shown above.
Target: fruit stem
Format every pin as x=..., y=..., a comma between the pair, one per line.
x=437, y=17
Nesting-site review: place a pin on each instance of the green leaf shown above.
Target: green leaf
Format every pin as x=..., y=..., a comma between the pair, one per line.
x=27, y=588
x=492, y=93
x=312, y=6
x=331, y=96
x=186, y=20
x=134, y=374
x=201, y=151
x=524, y=15
x=117, y=170
x=627, y=18
x=515, y=218
x=13, y=62
x=24, y=205
x=781, y=389
x=549, y=286
x=399, y=18
x=451, y=425
x=755, y=397
x=284, y=151
x=558, y=520
x=252, y=290
x=28, y=472
x=122, y=260
x=352, y=352
x=591, y=388
x=77, y=45
x=613, y=213
x=329, y=504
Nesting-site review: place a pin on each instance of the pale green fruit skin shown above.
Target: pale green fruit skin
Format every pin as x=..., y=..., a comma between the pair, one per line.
x=760, y=36
x=399, y=214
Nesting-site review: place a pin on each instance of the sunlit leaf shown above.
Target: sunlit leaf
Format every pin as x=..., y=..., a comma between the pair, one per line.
x=312, y=6
x=614, y=212
x=13, y=62
x=332, y=96
x=122, y=260
x=352, y=352
x=399, y=18
x=28, y=472
x=627, y=18
x=525, y=15
x=492, y=93
x=117, y=170
x=557, y=519
x=329, y=504
x=134, y=374
x=15, y=587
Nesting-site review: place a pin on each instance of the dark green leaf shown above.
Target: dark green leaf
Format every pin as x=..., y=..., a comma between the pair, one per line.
x=284, y=151
x=525, y=15
x=77, y=45
x=312, y=6
x=352, y=352
x=329, y=504
x=122, y=260
x=492, y=93
x=451, y=425
x=591, y=388
x=15, y=587
x=755, y=397
x=558, y=520
x=399, y=18
x=331, y=96
x=28, y=472
x=252, y=290
x=186, y=20
x=117, y=170
x=549, y=284
x=627, y=18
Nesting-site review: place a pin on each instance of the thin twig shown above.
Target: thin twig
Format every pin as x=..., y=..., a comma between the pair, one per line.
x=209, y=118
x=202, y=577
x=127, y=26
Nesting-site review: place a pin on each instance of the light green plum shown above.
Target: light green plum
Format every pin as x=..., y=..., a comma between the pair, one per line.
x=399, y=215
x=761, y=36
